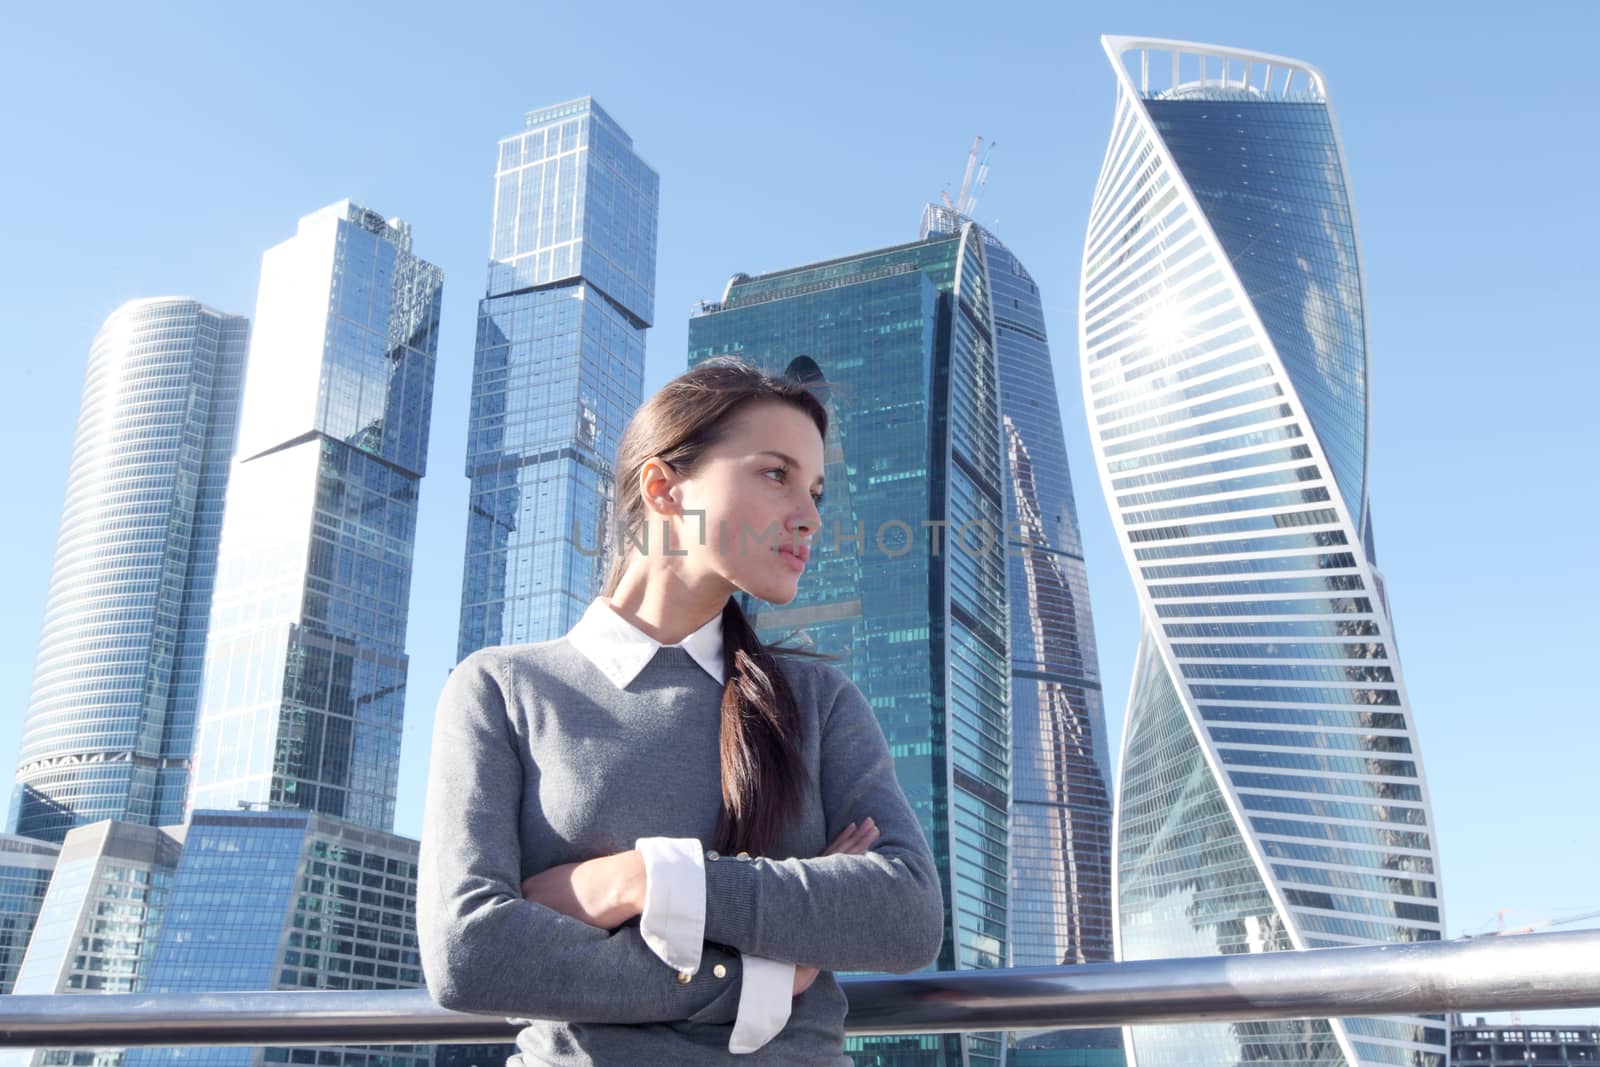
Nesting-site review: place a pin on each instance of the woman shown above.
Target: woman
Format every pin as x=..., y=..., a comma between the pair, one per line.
x=653, y=838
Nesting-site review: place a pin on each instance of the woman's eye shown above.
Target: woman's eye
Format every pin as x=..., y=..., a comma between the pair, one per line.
x=782, y=473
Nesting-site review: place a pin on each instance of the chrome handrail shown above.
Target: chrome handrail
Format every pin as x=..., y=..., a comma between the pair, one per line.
x=1525, y=972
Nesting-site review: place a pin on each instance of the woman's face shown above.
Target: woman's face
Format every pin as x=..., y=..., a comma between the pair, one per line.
x=758, y=488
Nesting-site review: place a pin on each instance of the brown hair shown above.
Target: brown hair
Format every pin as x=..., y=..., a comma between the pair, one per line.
x=763, y=778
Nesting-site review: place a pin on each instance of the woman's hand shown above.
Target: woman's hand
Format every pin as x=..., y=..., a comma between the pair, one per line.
x=604, y=892
x=853, y=840
x=608, y=891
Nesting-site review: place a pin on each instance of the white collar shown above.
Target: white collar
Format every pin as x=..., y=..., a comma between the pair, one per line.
x=621, y=650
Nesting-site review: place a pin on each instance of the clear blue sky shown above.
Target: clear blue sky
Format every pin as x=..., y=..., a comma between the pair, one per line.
x=160, y=149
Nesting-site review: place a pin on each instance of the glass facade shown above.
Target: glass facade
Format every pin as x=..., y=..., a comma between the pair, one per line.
x=1272, y=796
x=25, y=868
x=98, y=923
x=288, y=900
x=1292, y=244
x=557, y=371
x=305, y=669
x=1060, y=904
x=908, y=572
x=111, y=718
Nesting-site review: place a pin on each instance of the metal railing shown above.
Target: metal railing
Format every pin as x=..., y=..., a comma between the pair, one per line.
x=1552, y=970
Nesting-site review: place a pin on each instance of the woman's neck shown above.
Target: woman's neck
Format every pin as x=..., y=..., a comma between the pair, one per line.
x=665, y=606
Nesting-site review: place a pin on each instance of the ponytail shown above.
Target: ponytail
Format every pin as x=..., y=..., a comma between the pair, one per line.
x=763, y=774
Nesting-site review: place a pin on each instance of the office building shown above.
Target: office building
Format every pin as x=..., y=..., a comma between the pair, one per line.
x=1097, y=1047
x=97, y=925
x=25, y=868
x=1272, y=791
x=111, y=718
x=1555, y=1045
x=305, y=668
x=907, y=581
x=557, y=370
x=287, y=900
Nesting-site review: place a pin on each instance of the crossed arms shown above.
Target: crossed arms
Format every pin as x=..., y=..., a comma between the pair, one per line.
x=485, y=948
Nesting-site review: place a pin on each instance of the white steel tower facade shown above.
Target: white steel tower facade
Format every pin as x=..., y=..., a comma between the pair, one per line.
x=1271, y=795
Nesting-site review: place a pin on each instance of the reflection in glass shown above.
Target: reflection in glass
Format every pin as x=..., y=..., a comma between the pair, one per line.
x=1060, y=843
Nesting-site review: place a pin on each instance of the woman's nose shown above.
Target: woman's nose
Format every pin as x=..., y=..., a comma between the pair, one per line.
x=809, y=520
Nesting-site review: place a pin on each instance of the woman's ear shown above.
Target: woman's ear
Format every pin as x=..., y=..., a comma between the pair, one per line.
x=658, y=486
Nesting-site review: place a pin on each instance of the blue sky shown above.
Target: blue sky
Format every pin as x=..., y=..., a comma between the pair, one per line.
x=160, y=149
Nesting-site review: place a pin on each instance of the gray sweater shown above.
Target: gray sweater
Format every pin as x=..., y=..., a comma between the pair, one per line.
x=538, y=760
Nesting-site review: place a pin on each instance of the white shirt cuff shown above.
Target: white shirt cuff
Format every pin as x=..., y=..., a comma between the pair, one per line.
x=673, y=922
x=765, y=998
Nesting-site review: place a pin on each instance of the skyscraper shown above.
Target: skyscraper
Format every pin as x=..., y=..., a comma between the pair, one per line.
x=1060, y=905
x=908, y=571
x=306, y=667
x=110, y=722
x=558, y=369
x=1272, y=796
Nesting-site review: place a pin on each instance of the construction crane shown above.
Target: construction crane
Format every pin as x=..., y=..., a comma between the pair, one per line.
x=1501, y=931
x=965, y=204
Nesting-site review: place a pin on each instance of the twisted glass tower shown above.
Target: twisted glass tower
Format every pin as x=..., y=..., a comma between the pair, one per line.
x=1060, y=766
x=110, y=722
x=1271, y=794
x=558, y=369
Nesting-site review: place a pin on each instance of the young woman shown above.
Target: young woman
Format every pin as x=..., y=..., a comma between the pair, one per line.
x=653, y=838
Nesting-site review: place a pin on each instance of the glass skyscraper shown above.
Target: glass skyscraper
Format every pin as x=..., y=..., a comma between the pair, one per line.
x=110, y=722
x=305, y=669
x=1060, y=906
x=908, y=572
x=558, y=369
x=1272, y=794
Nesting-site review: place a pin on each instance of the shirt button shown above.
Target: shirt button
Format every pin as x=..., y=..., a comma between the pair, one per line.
x=711, y=854
x=685, y=977
x=720, y=971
